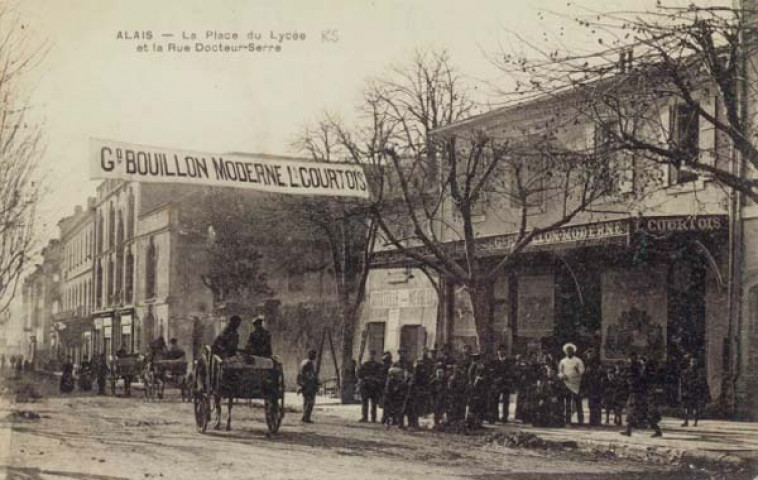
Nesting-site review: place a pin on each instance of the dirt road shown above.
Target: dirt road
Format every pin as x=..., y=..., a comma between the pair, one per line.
x=107, y=438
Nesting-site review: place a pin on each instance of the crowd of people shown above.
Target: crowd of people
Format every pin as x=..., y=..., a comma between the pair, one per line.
x=465, y=390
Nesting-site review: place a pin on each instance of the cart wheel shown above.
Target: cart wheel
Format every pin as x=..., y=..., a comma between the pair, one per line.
x=273, y=415
x=202, y=412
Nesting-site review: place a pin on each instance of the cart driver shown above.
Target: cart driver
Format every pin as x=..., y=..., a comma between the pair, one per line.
x=225, y=345
x=175, y=352
x=259, y=342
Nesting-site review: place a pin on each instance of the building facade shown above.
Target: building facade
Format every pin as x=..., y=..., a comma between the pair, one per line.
x=643, y=269
x=41, y=302
x=73, y=323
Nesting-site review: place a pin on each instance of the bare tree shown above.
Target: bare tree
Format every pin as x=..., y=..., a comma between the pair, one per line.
x=21, y=147
x=657, y=78
x=443, y=176
x=660, y=80
x=346, y=225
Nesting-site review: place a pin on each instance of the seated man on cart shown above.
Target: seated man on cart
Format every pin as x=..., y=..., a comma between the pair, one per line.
x=259, y=342
x=175, y=352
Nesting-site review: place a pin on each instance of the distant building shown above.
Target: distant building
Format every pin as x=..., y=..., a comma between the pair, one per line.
x=73, y=322
x=41, y=301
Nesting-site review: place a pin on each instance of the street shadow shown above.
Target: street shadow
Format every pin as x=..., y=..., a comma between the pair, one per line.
x=639, y=475
x=32, y=473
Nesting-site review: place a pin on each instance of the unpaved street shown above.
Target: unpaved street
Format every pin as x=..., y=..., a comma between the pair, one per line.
x=107, y=438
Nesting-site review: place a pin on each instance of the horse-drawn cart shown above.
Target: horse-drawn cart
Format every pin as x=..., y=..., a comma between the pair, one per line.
x=126, y=367
x=171, y=371
x=239, y=377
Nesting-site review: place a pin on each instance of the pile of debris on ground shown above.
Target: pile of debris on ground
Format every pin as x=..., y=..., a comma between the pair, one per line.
x=23, y=415
x=530, y=441
x=27, y=393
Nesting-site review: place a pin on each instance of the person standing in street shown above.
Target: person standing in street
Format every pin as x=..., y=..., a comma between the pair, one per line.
x=695, y=392
x=501, y=369
x=370, y=386
x=571, y=370
x=67, y=376
x=637, y=407
x=386, y=365
x=307, y=381
x=592, y=387
x=101, y=372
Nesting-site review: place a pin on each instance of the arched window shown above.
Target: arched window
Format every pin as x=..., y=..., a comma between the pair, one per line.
x=129, y=291
x=150, y=261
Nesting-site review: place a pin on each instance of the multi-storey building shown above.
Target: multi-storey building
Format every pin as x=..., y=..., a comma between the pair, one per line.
x=642, y=269
x=73, y=322
x=41, y=301
x=115, y=219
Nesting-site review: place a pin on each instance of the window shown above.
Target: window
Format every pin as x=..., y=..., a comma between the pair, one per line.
x=129, y=290
x=685, y=131
x=99, y=285
x=99, y=229
x=119, y=275
x=111, y=226
x=110, y=287
x=150, y=260
x=130, y=216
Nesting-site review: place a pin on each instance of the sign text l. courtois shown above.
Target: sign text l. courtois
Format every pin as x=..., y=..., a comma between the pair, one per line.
x=270, y=173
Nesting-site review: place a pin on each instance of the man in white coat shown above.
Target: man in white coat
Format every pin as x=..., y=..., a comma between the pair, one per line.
x=570, y=370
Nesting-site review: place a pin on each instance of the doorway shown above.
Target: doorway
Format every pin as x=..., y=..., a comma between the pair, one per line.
x=413, y=340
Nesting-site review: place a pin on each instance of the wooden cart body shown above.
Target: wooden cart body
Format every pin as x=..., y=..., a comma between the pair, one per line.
x=239, y=377
x=127, y=367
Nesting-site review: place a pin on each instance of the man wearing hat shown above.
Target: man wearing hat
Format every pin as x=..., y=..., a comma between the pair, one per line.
x=370, y=380
x=571, y=370
x=259, y=342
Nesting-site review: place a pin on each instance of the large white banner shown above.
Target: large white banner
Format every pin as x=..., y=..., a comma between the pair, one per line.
x=140, y=163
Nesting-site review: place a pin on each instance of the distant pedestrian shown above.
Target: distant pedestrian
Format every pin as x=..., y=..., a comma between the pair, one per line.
x=695, y=392
x=615, y=394
x=2, y=362
x=67, y=376
x=85, y=375
x=370, y=386
x=101, y=373
x=308, y=384
x=386, y=365
x=571, y=370
x=479, y=393
x=457, y=386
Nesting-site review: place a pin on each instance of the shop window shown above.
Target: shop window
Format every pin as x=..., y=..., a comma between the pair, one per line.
x=413, y=340
x=99, y=233
x=685, y=140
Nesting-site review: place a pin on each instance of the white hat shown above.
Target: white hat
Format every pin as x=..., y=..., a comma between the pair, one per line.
x=567, y=346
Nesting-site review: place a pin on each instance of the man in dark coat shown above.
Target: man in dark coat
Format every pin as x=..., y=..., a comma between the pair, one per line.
x=501, y=374
x=637, y=408
x=225, y=345
x=67, y=376
x=101, y=372
x=592, y=386
x=370, y=375
x=259, y=341
x=308, y=383
x=695, y=392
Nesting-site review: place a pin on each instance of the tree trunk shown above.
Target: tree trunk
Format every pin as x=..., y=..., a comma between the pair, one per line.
x=347, y=369
x=482, y=305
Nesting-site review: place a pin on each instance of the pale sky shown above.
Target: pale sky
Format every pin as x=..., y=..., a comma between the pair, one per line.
x=92, y=84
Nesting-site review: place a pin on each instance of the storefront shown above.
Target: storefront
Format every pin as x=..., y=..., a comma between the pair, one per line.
x=652, y=285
